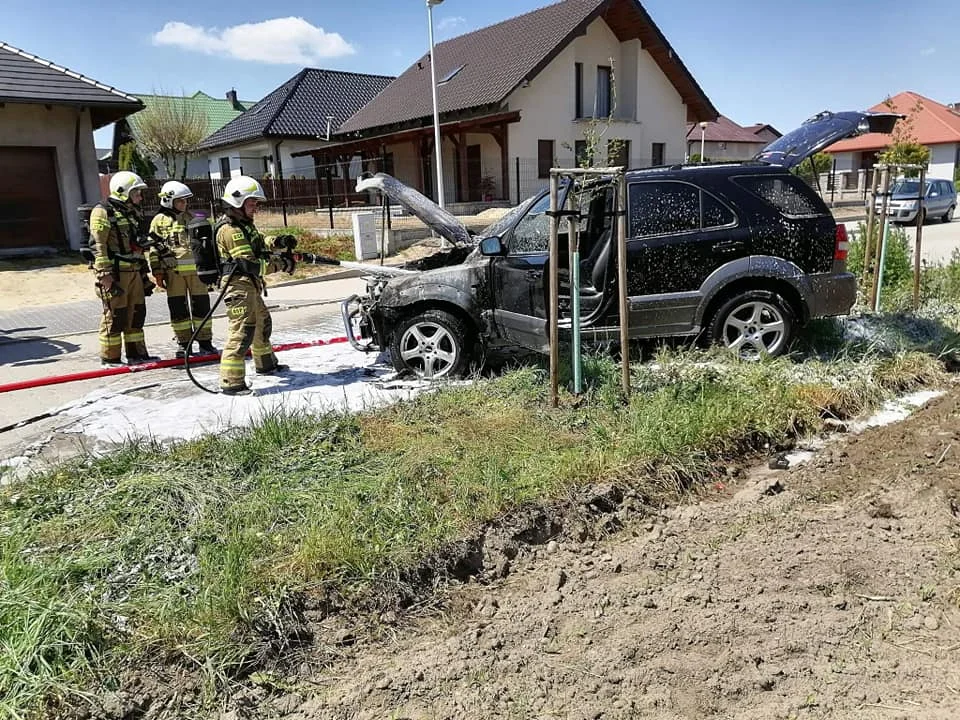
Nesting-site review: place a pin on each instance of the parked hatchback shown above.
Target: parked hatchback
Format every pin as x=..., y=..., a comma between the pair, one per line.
x=738, y=253
x=939, y=200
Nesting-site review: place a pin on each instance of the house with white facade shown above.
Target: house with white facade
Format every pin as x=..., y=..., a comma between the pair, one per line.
x=529, y=93
x=216, y=112
x=723, y=139
x=48, y=163
x=308, y=108
x=933, y=124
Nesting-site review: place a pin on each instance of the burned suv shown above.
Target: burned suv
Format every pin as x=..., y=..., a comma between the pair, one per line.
x=738, y=253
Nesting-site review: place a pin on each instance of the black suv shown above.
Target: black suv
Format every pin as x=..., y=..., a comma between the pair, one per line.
x=738, y=253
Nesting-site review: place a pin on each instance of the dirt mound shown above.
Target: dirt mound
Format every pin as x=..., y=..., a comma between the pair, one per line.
x=828, y=590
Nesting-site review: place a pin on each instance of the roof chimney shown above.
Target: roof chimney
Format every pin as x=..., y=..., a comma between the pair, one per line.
x=232, y=97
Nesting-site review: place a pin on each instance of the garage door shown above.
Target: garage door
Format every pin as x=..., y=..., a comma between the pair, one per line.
x=29, y=198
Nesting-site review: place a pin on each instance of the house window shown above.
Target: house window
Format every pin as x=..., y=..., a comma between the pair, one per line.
x=580, y=151
x=544, y=158
x=618, y=153
x=225, y=168
x=578, y=90
x=656, y=153
x=266, y=164
x=603, y=92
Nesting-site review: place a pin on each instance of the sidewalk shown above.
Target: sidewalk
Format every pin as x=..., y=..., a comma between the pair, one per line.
x=51, y=321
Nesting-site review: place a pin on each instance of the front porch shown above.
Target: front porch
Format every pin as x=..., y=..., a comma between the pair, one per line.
x=475, y=155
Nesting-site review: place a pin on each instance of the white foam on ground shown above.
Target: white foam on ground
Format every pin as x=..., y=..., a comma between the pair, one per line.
x=896, y=410
x=320, y=379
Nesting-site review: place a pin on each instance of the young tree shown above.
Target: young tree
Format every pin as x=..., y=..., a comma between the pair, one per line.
x=169, y=129
x=904, y=148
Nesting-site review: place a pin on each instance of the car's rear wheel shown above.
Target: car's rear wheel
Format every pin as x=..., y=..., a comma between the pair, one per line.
x=432, y=344
x=948, y=217
x=754, y=323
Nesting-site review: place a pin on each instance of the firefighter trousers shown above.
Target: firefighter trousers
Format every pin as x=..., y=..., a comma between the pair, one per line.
x=249, y=328
x=188, y=302
x=123, y=318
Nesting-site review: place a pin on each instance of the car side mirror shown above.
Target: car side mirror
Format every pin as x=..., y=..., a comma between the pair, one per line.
x=492, y=246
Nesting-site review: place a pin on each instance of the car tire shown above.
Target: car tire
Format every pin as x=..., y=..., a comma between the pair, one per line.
x=432, y=344
x=754, y=323
x=948, y=217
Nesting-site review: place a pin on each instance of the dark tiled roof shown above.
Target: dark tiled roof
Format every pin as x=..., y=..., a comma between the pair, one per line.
x=726, y=130
x=26, y=78
x=498, y=58
x=299, y=107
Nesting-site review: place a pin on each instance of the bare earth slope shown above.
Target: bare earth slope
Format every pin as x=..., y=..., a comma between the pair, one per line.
x=825, y=591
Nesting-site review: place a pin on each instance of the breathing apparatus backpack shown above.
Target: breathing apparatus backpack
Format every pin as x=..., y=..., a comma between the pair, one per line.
x=206, y=254
x=88, y=246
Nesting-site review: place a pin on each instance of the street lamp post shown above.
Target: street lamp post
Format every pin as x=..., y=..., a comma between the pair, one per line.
x=703, y=134
x=437, y=148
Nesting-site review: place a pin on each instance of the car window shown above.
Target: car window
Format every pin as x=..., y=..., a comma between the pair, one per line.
x=715, y=213
x=660, y=208
x=782, y=192
x=532, y=233
x=499, y=227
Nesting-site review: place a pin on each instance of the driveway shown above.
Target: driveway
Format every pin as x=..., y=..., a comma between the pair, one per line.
x=937, y=242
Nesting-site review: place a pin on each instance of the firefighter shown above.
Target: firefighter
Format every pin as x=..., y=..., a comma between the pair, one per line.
x=175, y=270
x=120, y=267
x=244, y=251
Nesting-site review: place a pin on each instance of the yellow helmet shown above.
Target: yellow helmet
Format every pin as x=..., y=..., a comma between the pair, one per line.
x=123, y=182
x=241, y=188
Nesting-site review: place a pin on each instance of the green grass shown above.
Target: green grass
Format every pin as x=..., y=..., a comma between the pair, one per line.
x=337, y=246
x=202, y=553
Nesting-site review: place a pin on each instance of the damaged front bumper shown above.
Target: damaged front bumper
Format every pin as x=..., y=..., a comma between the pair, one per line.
x=360, y=313
x=359, y=326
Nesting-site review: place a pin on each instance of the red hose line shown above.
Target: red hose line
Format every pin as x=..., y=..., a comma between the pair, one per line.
x=156, y=365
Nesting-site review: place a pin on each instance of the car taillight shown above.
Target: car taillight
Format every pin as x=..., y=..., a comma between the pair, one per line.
x=841, y=247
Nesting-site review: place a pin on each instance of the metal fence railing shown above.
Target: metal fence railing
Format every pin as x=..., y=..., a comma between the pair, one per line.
x=328, y=192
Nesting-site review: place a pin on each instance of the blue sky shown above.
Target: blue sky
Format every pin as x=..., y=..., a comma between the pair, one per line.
x=756, y=65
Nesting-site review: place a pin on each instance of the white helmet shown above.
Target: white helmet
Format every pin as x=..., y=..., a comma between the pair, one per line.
x=123, y=182
x=241, y=188
x=173, y=190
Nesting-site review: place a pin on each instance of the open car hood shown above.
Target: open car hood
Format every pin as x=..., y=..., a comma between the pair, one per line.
x=421, y=206
x=823, y=130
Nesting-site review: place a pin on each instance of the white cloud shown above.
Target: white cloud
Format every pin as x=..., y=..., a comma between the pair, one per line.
x=289, y=40
x=928, y=51
x=451, y=23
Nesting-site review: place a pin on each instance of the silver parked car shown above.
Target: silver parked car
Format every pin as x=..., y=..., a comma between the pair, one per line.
x=939, y=200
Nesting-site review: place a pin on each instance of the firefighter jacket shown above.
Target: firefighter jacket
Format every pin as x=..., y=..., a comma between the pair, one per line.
x=241, y=245
x=115, y=228
x=172, y=249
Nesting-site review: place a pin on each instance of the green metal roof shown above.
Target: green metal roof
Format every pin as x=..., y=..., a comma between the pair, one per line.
x=218, y=111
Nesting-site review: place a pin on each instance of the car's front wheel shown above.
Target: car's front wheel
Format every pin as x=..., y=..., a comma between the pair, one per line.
x=754, y=323
x=432, y=344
